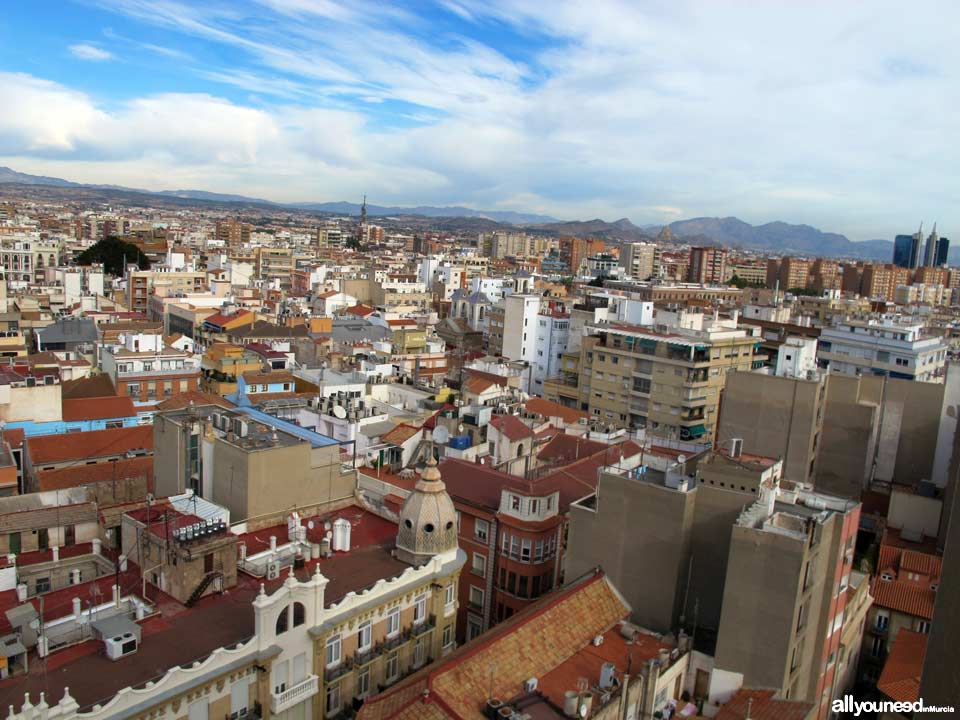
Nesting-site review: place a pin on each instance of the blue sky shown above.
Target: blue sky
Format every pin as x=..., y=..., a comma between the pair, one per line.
x=842, y=115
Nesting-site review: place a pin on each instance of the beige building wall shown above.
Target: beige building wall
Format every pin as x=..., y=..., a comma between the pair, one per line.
x=639, y=533
x=775, y=416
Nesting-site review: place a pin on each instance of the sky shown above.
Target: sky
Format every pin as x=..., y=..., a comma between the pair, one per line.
x=839, y=114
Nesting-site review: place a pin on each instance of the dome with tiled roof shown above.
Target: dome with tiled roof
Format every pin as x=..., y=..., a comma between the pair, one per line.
x=428, y=519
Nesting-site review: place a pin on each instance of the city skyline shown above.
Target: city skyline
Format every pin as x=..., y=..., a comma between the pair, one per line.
x=802, y=114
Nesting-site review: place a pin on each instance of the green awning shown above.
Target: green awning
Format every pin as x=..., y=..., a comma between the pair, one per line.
x=694, y=431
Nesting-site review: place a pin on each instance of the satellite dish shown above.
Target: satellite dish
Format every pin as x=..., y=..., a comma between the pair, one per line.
x=329, y=534
x=441, y=434
x=310, y=524
x=681, y=459
x=460, y=428
x=326, y=525
x=339, y=411
x=583, y=710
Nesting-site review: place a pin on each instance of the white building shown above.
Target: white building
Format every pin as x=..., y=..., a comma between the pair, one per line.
x=885, y=346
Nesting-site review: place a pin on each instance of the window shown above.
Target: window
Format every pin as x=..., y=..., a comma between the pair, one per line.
x=393, y=621
x=392, y=669
x=43, y=585
x=882, y=622
x=299, y=614
x=333, y=698
x=522, y=587
x=333, y=650
x=481, y=529
x=534, y=507
x=476, y=598
x=239, y=696
x=877, y=647
x=420, y=609
x=473, y=628
x=538, y=551
x=515, y=502
x=923, y=626
x=365, y=636
x=479, y=565
x=514, y=547
x=280, y=677
x=283, y=621
x=449, y=595
x=363, y=682
x=525, y=550
x=418, y=653
x=198, y=710
x=447, y=638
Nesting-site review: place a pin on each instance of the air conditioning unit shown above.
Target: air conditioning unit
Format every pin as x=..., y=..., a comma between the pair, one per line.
x=120, y=645
x=530, y=685
x=273, y=570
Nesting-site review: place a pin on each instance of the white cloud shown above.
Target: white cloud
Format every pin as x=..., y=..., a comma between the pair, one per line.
x=840, y=115
x=90, y=52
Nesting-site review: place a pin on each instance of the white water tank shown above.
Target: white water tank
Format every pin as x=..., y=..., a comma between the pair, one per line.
x=341, y=535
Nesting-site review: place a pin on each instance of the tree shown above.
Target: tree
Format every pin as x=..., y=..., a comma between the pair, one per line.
x=739, y=282
x=112, y=253
x=597, y=281
x=352, y=243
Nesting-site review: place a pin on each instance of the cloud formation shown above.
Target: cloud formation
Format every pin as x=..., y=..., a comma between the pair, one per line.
x=839, y=115
x=89, y=52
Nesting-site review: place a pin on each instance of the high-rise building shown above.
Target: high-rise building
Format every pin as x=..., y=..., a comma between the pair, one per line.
x=233, y=233
x=640, y=260
x=906, y=251
x=708, y=265
x=943, y=249
x=930, y=249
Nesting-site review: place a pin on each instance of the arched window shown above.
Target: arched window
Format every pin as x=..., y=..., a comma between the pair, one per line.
x=299, y=614
x=283, y=620
x=520, y=450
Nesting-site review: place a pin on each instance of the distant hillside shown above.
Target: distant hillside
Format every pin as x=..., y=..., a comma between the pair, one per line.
x=621, y=229
x=8, y=175
x=348, y=208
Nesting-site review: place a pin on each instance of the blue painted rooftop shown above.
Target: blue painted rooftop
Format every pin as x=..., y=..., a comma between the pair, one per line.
x=314, y=438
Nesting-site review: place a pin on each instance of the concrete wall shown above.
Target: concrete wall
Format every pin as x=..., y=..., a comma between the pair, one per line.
x=717, y=510
x=168, y=457
x=775, y=416
x=759, y=617
x=914, y=513
x=640, y=536
x=848, y=439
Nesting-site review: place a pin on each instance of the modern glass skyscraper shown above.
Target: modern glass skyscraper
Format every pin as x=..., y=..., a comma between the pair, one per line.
x=906, y=251
x=943, y=249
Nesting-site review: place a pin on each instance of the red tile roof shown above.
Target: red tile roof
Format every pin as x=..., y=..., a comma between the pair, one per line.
x=400, y=434
x=565, y=448
x=550, y=409
x=182, y=400
x=51, y=449
x=900, y=679
x=360, y=310
x=530, y=644
x=77, y=475
x=100, y=408
x=904, y=597
x=477, y=385
x=513, y=427
x=761, y=705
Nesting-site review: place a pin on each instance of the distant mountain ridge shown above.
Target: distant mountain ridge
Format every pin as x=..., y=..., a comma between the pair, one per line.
x=778, y=236
x=8, y=175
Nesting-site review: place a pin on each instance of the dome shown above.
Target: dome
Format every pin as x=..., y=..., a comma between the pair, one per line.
x=428, y=519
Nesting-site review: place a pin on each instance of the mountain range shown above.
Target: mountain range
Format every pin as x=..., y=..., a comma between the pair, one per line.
x=779, y=237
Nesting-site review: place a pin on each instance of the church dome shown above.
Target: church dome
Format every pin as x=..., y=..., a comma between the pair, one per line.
x=428, y=519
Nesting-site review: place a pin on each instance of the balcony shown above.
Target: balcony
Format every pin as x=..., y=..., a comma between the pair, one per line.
x=365, y=657
x=423, y=628
x=292, y=696
x=338, y=671
x=392, y=643
x=253, y=713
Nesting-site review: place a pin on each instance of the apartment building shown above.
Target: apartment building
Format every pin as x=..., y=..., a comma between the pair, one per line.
x=666, y=378
x=274, y=266
x=640, y=261
x=707, y=266
x=885, y=346
x=574, y=251
x=325, y=612
x=141, y=284
x=234, y=458
x=232, y=233
x=788, y=273
x=145, y=369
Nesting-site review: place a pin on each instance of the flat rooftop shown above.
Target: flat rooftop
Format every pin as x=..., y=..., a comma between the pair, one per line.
x=370, y=557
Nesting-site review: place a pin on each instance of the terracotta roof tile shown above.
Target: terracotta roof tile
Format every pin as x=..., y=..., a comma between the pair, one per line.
x=75, y=476
x=400, y=434
x=900, y=679
x=101, y=408
x=550, y=409
x=182, y=400
x=530, y=644
x=511, y=426
x=763, y=706
x=50, y=449
x=904, y=597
